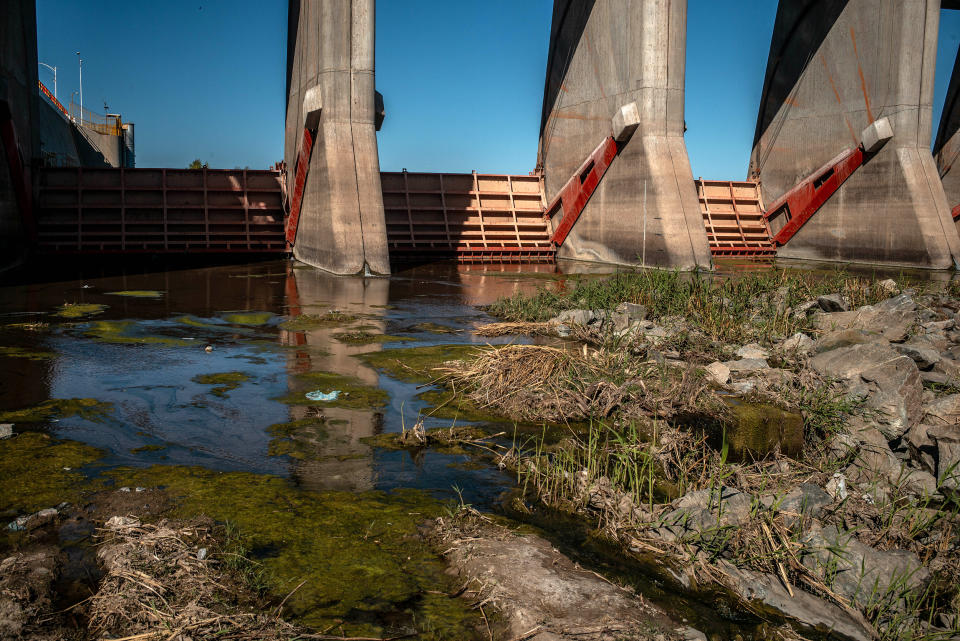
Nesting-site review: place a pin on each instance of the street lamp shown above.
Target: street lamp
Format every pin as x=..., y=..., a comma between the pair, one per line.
x=54, y=70
x=81, y=87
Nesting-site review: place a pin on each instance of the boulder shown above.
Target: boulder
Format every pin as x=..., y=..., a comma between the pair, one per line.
x=844, y=338
x=889, y=381
x=747, y=365
x=874, y=460
x=766, y=591
x=633, y=311
x=923, y=355
x=832, y=303
x=574, y=317
x=856, y=571
x=889, y=286
x=922, y=447
x=892, y=319
x=704, y=511
x=753, y=351
x=718, y=372
x=947, y=439
x=799, y=343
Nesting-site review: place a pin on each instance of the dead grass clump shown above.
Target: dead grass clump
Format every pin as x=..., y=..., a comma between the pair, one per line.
x=507, y=329
x=161, y=582
x=540, y=383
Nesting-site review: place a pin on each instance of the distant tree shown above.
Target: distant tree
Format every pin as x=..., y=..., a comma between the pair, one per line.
x=198, y=164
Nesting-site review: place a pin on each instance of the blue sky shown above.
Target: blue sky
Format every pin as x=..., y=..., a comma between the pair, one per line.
x=462, y=81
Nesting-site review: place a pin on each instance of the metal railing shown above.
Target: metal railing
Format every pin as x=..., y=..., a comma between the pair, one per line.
x=106, y=124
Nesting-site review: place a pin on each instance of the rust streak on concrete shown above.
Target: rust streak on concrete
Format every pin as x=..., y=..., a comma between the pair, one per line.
x=863, y=80
x=836, y=93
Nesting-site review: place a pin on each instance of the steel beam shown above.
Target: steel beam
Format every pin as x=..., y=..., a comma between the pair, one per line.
x=836, y=66
x=331, y=47
x=605, y=54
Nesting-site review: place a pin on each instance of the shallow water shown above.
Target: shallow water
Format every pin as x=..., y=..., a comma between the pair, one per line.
x=195, y=380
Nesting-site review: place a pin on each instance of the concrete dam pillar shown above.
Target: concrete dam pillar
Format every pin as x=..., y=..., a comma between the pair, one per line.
x=946, y=149
x=330, y=50
x=605, y=54
x=835, y=67
x=18, y=133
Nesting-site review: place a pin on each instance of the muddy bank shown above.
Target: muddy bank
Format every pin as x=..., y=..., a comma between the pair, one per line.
x=538, y=592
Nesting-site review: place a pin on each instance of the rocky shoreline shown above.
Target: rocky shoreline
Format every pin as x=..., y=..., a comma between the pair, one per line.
x=856, y=535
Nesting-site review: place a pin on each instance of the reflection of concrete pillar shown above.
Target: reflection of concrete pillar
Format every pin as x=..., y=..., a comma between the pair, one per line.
x=605, y=54
x=342, y=461
x=835, y=66
x=331, y=46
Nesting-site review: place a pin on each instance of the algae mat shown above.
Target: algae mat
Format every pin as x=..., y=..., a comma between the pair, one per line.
x=362, y=566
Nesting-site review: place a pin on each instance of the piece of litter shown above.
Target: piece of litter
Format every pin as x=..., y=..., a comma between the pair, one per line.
x=139, y=489
x=124, y=489
x=319, y=395
x=201, y=554
x=6, y=430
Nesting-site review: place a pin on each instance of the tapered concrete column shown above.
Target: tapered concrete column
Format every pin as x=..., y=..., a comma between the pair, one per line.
x=946, y=149
x=835, y=66
x=331, y=46
x=605, y=54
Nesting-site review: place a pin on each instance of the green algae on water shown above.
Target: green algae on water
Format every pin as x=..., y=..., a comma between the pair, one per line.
x=226, y=382
x=362, y=337
x=300, y=439
x=79, y=310
x=138, y=293
x=333, y=318
x=89, y=409
x=122, y=333
x=356, y=556
x=20, y=352
x=254, y=319
x=148, y=448
x=453, y=406
x=434, y=328
x=38, y=471
x=757, y=429
x=415, y=364
x=353, y=393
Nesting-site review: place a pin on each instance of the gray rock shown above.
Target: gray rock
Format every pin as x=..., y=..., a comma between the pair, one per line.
x=947, y=439
x=832, y=303
x=635, y=312
x=889, y=286
x=938, y=326
x=856, y=571
x=754, y=351
x=33, y=521
x=843, y=338
x=621, y=322
x=805, y=500
x=803, y=607
x=874, y=459
x=747, y=365
x=705, y=511
x=718, y=372
x=574, y=317
x=922, y=447
x=890, y=382
x=935, y=378
x=924, y=356
x=6, y=430
x=944, y=411
x=892, y=319
x=948, y=368
x=799, y=343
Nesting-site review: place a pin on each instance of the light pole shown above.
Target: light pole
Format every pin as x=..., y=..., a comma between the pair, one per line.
x=81, y=87
x=54, y=70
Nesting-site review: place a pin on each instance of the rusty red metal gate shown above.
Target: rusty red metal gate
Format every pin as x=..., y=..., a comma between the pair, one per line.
x=83, y=210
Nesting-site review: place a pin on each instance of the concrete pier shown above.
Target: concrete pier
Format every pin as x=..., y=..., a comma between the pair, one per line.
x=331, y=47
x=836, y=66
x=946, y=148
x=18, y=95
x=605, y=54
